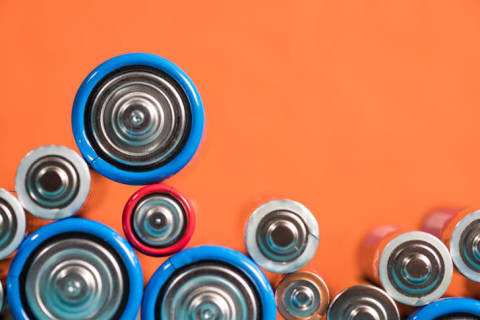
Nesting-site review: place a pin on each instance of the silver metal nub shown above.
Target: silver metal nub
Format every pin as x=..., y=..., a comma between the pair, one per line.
x=363, y=302
x=138, y=117
x=302, y=295
x=415, y=268
x=159, y=220
x=465, y=246
x=12, y=224
x=52, y=182
x=208, y=290
x=282, y=236
x=2, y=297
x=74, y=278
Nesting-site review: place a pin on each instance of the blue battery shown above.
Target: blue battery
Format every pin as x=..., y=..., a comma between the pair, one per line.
x=137, y=118
x=75, y=269
x=448, y=307
x=208, y=282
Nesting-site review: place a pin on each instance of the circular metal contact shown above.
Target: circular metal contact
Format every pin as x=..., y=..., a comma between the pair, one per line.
x=75, y=278
x=282, y=236
x=465, y=246
x=449, y=309
x=158, y=220
x=208, y=290
x=52, y=182
x=137, y=118
x=75, y=269
x=415, y=268
x=12, y=224
x=363, y=302
x=207, y=283
x=302, y=295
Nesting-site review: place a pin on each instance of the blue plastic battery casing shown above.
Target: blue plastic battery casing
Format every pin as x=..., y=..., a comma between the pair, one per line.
x=209, y=253
x=448, y=306
x=106, y=168
x=76, y=225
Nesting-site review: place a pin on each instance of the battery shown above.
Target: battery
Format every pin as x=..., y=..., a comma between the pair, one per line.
x=302, y=295
x=12, y=224
x=75, y=269
x=208, y=282
x=449, y=309
x=52, y=182
x=460, y=231
x=158, y=220
x=282, y=236
x=362, y=302
x=137, y=118
x=415, y=268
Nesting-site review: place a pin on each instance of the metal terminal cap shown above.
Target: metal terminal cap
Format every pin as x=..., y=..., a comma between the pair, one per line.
x=52, y=182
x=465, y=246
x=415, y=268
x=158, y=220
x=138, y=118
x=207, y=291
x=363, y=302
x=74, y=277
x=12, y=224
x=282, y=236
x=302, y=295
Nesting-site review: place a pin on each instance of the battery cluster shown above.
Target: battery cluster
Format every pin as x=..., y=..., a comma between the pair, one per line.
x=138, y=119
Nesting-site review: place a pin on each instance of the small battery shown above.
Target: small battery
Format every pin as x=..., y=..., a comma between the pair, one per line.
x=208, y=282
x=449, y=309
x=12, y=224
x=415, y=268
x=362, y=302
x=137, y=118
x=74, y=269
x=282, y=236
x=460, y=231
x=302, y=295
x=158, y=220
x=52, y=182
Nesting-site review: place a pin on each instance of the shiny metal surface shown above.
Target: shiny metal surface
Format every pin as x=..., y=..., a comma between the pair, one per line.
x=465, y=246
x=12, y=224
x=415, y=268
x=207, y=291
x=159, y=220
x=138, y=117
x=282, y=236
x=74, y=278
x=302, y=295
x=52, y=182
x=363, y=302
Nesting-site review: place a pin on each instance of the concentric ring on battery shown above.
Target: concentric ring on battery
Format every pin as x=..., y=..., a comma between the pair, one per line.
x=392, y=290
x=456, y=248
x=375, y=297
x=227, y=294
x=315, y=284
x=255, y=221
x=17, y=231
x=64, y=228
x=118, y=173
x=128, y=216
x=208, y=254
x=62, y=154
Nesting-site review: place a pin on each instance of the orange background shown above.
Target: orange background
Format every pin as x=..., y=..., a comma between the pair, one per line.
x=365, y=111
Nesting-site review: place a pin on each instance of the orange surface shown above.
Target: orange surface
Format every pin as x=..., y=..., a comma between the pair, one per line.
x=365, y=111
